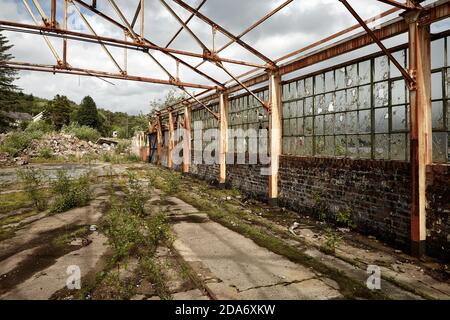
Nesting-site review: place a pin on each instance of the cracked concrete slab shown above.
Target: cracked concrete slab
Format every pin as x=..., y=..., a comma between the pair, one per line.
x=243, y=266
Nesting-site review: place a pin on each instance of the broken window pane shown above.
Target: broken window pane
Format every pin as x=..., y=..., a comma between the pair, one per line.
x=398, y=92
x=438, y=114
x=293, y=109
x=329, y=102
x=329, y=124
x=308, y=87
x=319, y=84
x=340, y=78
x=381, y=94
x=400, y=57
x=352, y=122
x=398, y=147
x=293, y=125
x=352, y=99
x=300, y=108
x=365, y=146
x=381, y=150
x=364, y=72
x=381, y=68
x=320, y=145
x=364, y=97
x=352, y=146
x=300, y=126
x=301, y=88
x=365, y=121
x=339, y=123
x=340, y=148
x=341, y=101
x=319, y=104
x=440, y=147
x=352, y=76
x=329, y=146
x=381, y=120
x=308, y=126
x=329, y=81
x=293, y=90
x=318, y=125
x=399, y=118
x=309, y=106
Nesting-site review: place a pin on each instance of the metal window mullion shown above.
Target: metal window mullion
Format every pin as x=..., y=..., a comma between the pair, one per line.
x=372, y=106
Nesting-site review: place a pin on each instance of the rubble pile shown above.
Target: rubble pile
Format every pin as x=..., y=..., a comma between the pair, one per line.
x=59, y=145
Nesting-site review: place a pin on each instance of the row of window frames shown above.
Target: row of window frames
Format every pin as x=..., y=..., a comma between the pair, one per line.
x=394, y=146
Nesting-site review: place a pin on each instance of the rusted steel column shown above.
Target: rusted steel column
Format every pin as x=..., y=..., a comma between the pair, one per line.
x=187, y=139
x=53, y=16
x=170, y=143
x=223, y=140
x=274, y=134
x=420, y=124
x=159, y=139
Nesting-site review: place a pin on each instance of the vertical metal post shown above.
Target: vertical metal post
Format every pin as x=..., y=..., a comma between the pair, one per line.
x=223, y=141
x=159, y=139
x=171, y=142
x=53, y=17
x=65, y=39
x=142, y=19
x=275, y=138
x=187, y=139
x=420, y=125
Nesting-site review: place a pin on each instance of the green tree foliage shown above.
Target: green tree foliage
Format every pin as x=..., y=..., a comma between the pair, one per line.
x=58, y=111
x=87, y=113
x=7, y=88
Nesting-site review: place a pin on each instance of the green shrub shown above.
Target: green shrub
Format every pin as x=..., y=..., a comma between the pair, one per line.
x=70, y=193
x=332, y=241
x=344, y=217
x=122, y=146
x=46, y=153
x=135, y=195
x=82, y=132
x=157, y=277
x=40, y=126
x=16, y=142
x=124, y=232
x=33, y=181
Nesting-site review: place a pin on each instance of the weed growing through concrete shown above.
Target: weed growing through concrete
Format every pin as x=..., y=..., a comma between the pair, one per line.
x=344, y=218
x=332, y=241
x=33, y=181
x=70, y=193
x=135, y=194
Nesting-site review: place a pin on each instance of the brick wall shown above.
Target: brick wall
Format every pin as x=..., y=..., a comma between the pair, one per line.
x=377, y=192
x=438, y=211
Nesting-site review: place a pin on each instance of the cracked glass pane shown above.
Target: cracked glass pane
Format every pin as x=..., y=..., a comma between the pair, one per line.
x=319, y=104
x=329, y=124
x=285, y=146
x=319, y=84
x=294, y=111
x=329, y=102
x=300, y=126
x=381, y=150
x=293, y=90
x=381, y=68
x=286, y=111
x=365, y=121
x=308, y=126
x=398, y=92
x=301, y=88
x=400, y=56
x=340, y=78
x=309, y=106
x=399, y=121
x=364, y=72
x=340, y=148
x=293, y=125
x=341, y=101
x=329, y=81
x=365, y=146
x=352, y=99
x=398, y=147
x=339, y=123
x=320, y=145
x=381, y=94
x=352, y=146
x=381, y=120
x=329, y=146
x=308, y=87
x=300, y=108
x=352, y=122
x=440, y=147
x=364, y=97
x=352, y=78
x=308, y=146
x=318, y=125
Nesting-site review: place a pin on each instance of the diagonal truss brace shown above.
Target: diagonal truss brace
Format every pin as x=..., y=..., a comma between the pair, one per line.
x=407, y=75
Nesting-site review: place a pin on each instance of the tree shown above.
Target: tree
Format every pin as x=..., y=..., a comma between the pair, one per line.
x=7, y=88
x=58, y=111
x=87, y=114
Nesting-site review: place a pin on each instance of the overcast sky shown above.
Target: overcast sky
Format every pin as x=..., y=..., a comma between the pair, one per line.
x=297, y=25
